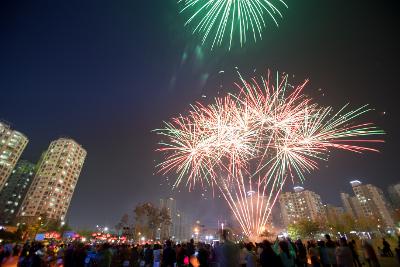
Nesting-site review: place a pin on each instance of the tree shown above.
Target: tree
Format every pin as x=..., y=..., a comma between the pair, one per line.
x=35, y=225
x=368, y=224
x=293, y=231
x=345, y=223
x=304, y=229
x=149, y=218
x=165, y=223
x=9, y=236
x=53, y=226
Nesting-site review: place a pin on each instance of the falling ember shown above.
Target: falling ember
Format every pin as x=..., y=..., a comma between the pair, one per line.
x=249, y=144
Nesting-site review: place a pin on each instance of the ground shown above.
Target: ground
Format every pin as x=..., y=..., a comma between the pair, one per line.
x=385, y=262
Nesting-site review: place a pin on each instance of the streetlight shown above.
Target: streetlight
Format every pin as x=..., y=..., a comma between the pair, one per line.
x=196, y=232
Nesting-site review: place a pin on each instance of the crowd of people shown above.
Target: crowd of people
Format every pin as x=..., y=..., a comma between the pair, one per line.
x=281, y=253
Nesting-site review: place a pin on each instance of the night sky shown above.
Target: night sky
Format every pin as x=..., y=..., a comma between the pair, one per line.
x=106, y=73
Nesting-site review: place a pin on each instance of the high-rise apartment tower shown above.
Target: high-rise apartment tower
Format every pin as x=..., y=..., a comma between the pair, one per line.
x=53, y=186
x=300, y=205
x=12, y=143
x=14, y=190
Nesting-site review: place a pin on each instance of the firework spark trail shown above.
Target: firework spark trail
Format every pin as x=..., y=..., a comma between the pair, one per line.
x=268, y=131
x=220, y=20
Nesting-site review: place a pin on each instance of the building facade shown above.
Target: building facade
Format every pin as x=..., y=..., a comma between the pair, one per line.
x=52, y=188
x=300, y=205
x=351, y=205
x=333, y=213
x=372, y=204
x=12, y=144
x=14, y=190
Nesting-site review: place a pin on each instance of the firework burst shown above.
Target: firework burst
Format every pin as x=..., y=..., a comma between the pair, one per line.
x=256, y=140
x=229, y=20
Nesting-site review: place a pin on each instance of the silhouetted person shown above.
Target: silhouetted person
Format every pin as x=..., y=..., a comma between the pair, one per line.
x=104, y=256
x=286, y=258
x=344, y=257
x=203, y=256
x=229, y=252
x=180, y=255
x=301, y=256
x=268, y=257
x=330, y=250
x=370, y=255
x=387, y=251
x=190, y=248
x=79, y=256
x=314, y=255
x=169, y=256
x=148, y=255
x=356, y=258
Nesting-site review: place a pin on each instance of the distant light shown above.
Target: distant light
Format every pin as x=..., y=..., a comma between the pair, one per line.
x=298, y=188
x=355, y=183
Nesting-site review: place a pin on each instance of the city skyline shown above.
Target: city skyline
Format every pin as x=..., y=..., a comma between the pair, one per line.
x=106, y=76
x=284, y=194
x=321, y=208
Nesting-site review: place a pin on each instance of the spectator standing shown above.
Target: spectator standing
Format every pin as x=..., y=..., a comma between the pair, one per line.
x=157, y=249
x=344, y=257
x=314, y=255
x=169, y=256
x=104, y=256
x=301, y=256
x=387, y=251
x=330, y=251
x=268, y=257
x=287, y=259
x=370, y=255
x=356, y=257
x=180, y=255
x=250, y=256
x=203, y=256
x=148, y=255
x=242, y=255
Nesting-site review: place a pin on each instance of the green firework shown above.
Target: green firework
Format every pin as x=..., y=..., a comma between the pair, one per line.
x=220, y=21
